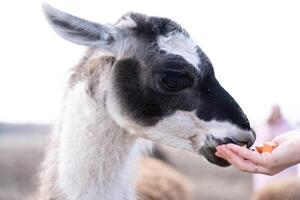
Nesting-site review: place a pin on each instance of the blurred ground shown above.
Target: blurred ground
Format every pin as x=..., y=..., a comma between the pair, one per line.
x=20, y=155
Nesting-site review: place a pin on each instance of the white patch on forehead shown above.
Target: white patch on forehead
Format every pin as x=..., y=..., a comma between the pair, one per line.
x=182, y=45
x=126, y=22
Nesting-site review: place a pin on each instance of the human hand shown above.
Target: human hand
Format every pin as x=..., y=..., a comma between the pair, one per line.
x=286, y=154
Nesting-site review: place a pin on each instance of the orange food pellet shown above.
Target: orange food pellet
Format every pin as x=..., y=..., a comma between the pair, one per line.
x=272, y=144
x=259, y=148
x=266, y=147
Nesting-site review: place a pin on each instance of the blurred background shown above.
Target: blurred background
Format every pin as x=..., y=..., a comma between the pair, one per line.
x=253, y=45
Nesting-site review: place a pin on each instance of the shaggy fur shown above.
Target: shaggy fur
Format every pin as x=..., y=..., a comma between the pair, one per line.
x=284, y=189
x=157, y=180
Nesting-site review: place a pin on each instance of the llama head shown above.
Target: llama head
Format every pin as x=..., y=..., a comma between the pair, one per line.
x=161, y=85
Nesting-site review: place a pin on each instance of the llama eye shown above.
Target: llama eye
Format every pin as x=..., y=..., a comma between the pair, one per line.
x=162, y=51
x=175, y=81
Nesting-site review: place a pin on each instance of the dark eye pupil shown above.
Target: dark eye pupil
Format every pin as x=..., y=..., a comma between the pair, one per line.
x=173, y=81
x=176, y=80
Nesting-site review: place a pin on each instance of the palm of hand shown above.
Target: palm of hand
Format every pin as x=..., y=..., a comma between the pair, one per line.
x=246, y=160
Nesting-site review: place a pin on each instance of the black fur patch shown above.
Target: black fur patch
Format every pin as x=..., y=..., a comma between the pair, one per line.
x=211, y=102
x=147, y=104
x=143, y=102
x=216, y=103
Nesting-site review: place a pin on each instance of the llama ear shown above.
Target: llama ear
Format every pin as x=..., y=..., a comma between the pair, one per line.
x=79, y=31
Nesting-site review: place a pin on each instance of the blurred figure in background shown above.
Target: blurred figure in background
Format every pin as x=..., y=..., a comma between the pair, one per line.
x=273, y=127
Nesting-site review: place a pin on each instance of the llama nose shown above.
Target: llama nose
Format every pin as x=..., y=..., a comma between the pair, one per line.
x=242, y=139
x=247, y=139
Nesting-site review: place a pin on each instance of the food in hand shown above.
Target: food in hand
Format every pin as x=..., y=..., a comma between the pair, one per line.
x=259, y=148
x=266, y=147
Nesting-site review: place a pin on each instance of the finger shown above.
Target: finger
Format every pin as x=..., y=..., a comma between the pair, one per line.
x=220, y=153
x=238, y=162
x=245, y=165
x=245, y=153
x=216, y=154
x=220, y=150
x=223, y=153
x=285, y=136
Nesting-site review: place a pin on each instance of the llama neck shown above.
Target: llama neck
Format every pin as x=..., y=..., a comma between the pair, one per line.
x=96, y=157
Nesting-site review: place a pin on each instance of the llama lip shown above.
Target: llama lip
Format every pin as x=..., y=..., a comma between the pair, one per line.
x=208, y=150
x=209, y=153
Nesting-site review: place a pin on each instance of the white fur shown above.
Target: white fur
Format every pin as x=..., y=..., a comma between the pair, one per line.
x=225, y=129
x=182, y=130
x=126, y=22
x=179, y=44
x=96, y=157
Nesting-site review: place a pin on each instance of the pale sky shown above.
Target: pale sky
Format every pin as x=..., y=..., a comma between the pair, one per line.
x=254, y=46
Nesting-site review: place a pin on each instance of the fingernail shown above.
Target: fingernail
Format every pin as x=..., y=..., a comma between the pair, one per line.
x=217, y=154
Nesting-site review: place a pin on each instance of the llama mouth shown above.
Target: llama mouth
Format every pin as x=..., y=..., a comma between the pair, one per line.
x=209, y=153
x=208, y=150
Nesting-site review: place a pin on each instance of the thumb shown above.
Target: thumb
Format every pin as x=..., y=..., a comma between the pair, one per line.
x=286, y=136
